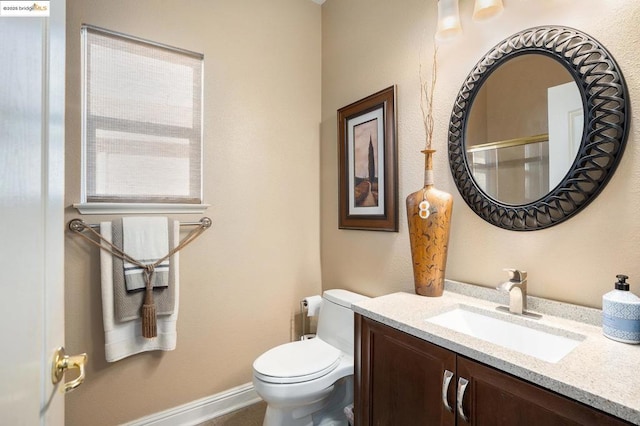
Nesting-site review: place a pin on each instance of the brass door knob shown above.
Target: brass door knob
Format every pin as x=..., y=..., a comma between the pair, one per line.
x=62, y=363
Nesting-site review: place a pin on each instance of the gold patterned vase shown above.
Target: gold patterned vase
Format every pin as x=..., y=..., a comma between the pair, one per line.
x=429, y=218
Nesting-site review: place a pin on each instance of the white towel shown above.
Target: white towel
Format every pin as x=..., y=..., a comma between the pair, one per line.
x=125, y=339
x=146, y=240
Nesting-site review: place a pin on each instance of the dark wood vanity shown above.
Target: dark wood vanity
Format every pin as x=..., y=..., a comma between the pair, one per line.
x=401, y=380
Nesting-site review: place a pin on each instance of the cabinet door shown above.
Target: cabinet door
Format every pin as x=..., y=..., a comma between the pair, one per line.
x=494, y=398
x=399, y=379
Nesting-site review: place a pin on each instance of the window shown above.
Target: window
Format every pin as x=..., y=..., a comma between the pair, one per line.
x=142, y=121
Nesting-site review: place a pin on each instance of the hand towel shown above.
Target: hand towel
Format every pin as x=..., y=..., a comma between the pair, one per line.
x=146, y=240
x=125, y=339
x=127, y=304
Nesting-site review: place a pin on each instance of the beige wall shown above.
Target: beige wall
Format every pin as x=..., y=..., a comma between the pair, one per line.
x=368, y=45
x=241, y=282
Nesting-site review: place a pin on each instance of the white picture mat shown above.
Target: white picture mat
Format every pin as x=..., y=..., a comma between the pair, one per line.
x=378, y=114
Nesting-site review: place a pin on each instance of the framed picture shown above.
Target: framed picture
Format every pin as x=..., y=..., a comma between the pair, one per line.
x=368, y=165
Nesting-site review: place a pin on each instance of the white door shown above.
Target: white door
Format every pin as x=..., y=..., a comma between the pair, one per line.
x=32, y=51
x=566, y=118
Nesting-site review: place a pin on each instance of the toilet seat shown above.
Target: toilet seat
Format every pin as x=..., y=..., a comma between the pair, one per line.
x=297, y=362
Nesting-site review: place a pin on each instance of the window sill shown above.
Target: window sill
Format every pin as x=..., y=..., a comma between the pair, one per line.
x=137, y=208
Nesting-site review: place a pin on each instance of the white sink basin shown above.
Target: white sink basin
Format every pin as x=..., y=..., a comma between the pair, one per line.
x=537, y=340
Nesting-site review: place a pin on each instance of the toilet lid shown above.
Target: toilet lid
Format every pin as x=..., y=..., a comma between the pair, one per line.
x=297, y=362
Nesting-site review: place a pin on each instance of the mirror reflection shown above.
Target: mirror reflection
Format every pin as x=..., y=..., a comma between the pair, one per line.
x=524, y=129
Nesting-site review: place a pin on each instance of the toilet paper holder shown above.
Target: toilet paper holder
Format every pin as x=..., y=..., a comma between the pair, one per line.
x=304, y=309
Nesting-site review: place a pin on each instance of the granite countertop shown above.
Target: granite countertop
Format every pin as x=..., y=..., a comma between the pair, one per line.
x=599, y=372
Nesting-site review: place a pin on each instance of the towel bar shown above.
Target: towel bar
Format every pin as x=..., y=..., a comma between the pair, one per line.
x=78, y=225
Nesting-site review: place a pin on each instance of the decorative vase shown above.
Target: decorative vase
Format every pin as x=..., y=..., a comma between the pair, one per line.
x=429, y=218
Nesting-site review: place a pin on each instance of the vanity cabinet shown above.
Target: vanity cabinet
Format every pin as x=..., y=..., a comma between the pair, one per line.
x=401, y=380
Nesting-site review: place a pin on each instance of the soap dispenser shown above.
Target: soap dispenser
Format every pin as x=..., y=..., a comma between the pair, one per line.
x=621, y=313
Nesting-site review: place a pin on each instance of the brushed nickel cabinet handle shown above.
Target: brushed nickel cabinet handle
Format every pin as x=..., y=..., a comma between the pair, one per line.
x=446, y=381
x=462, y=387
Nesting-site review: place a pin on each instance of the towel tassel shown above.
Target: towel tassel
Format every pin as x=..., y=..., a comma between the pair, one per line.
x=149, y=321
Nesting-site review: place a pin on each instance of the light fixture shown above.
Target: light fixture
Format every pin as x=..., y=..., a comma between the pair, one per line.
x=448, y=19
x=484, y=9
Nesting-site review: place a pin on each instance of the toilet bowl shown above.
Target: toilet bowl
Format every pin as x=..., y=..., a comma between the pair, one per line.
x=310, y=382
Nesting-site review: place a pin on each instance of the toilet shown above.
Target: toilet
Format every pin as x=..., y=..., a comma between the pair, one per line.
x=310, y=382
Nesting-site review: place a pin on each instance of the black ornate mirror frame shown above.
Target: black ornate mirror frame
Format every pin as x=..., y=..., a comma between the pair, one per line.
x=606, y=125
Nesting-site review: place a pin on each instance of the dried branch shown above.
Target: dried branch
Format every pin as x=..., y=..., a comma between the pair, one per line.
x=426, y=96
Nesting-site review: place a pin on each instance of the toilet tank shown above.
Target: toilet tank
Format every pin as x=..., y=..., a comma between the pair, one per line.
x=335, y=321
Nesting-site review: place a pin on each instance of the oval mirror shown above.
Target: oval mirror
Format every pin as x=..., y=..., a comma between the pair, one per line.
x=538, y=128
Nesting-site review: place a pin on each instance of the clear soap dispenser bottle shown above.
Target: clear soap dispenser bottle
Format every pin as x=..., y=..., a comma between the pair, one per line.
x=621, y=313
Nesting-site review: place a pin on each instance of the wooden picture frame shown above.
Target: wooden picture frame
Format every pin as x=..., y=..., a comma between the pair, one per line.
x=368, y=164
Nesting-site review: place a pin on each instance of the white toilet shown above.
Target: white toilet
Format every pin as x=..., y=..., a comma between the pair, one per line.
x=310, y=382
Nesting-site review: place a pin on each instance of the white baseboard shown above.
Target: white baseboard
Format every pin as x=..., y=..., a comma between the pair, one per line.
x=204, y=409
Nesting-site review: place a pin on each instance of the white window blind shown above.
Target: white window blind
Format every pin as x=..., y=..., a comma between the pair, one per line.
x=142, y=121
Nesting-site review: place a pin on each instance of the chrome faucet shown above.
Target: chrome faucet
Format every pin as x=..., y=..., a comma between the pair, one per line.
x=517, y=289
